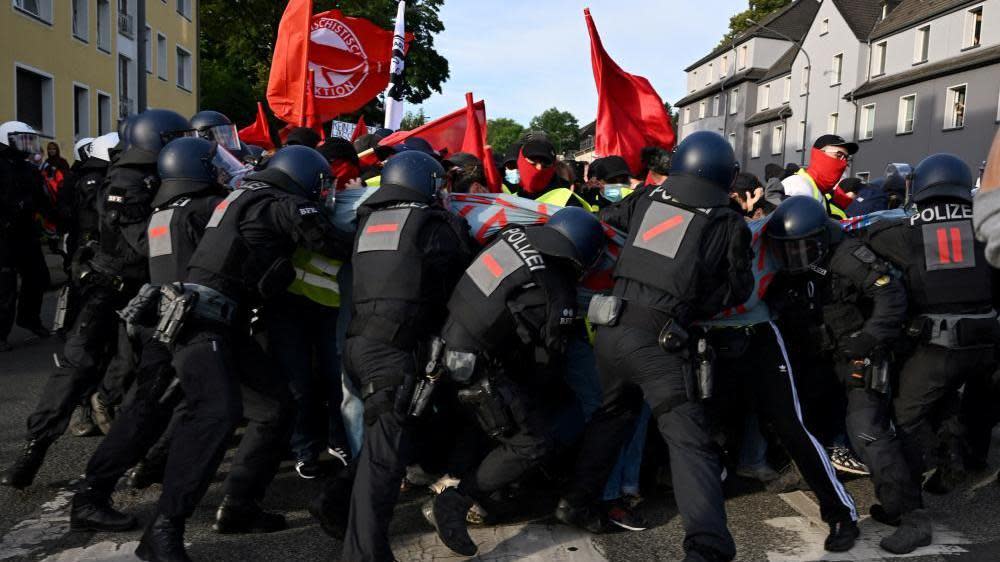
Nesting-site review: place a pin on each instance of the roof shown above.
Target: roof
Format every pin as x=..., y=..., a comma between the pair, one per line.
x=768, y=115
x=966, y=61
x=912, y=12
x=782, y=66
x=751, y=74
x=793, y=20
x=861, y=15
x=588, y=129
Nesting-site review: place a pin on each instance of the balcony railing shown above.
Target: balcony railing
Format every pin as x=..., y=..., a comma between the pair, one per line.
x=124, y=107
x=126, y=25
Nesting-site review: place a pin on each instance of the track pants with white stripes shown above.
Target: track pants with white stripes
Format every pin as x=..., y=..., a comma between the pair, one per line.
x=755, y=360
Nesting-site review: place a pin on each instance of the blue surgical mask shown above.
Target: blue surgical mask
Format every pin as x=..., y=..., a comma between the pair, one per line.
x=614, y=192
x=513, y=177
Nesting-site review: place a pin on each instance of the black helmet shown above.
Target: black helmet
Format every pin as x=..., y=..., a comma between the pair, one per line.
x=942, y=175
x=800, y=233
x=185, y=166
x=297, y=169
x=214, y=126
x=708, y=157
x=414, y=170
x=151, y=130
x=571, y=233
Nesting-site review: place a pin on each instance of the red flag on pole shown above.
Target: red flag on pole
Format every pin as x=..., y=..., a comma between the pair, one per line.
x=446, y=134
x=475, y=143
x=287, y=82
x=310, y=116
x=259, y=133
x=630, y=114
x=359, y=129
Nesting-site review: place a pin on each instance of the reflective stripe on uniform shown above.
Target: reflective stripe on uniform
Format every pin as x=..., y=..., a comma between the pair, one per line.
x=316, y=278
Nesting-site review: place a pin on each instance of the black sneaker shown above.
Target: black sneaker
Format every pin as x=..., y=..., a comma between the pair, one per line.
x=340, y=454
x=308, y=469
x=844, y=460
x=621, y=515
x=449, y=512
x=842, y=537
x=236, y=515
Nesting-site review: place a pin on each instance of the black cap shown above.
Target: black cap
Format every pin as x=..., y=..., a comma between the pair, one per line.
x=462, y=160
x=336, y=148
x=608, y=167
x=418, y=144
x=772, y=171
x=836, y=140
x=539, y=150
x=302, y=136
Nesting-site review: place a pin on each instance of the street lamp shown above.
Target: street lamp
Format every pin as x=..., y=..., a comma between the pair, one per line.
x=805, y=111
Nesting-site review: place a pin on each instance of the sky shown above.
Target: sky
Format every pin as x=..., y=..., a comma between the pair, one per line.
x=525, y=56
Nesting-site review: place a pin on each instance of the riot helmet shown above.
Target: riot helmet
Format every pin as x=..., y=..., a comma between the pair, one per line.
x=414, y=170
x=151, y=130
x=799, y=233
x=19, y=137
x=298, y=170
x=942, y=176
x=188, y=160
x=572, y=234
x=214, y=126
x=81, y=150
x=102, y=146
x=708, y=157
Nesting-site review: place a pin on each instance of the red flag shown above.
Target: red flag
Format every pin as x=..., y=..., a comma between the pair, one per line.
x=359, y=129
x=630, y=114
x=475, y=143
x=259, y=133
x=286, y=85
x=446, y=134
x=310, y=117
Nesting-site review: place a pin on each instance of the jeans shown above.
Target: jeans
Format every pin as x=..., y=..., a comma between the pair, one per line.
x=352, y=409
x=624, y=479
x=753, y=449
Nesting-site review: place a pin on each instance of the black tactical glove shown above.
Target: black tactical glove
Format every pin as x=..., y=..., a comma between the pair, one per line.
x=858, y=345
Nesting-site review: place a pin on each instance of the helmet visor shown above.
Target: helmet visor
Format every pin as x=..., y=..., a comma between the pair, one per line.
x=24, y=142
x=797, y=256
x=225, y=135
x=230, y=170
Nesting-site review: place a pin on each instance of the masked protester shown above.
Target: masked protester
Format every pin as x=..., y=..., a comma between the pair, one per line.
x=538, y=179
x=828, y=160
x=464, y=173
x=408, y=255
x=344, y=163
x=656, y=162
x=21, y=197
x=610, y=181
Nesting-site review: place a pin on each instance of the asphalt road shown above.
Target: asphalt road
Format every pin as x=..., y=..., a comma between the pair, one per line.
x=34, y=522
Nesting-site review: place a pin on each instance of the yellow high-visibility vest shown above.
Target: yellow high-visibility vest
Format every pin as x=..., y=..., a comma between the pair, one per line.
x=561, y=196
x=316, y=277
x=819, y=196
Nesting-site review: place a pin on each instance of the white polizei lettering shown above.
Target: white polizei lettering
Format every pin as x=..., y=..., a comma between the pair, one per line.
x=528, y=254
x=949, y=211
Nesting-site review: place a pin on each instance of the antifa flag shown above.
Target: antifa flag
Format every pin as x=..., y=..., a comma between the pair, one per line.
x=630, y=114
x=475, y=144
x=259, y=133
x=446, y=134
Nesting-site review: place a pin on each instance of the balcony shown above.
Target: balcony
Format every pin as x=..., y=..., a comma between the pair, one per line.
x=124, y=107
x=126, y=25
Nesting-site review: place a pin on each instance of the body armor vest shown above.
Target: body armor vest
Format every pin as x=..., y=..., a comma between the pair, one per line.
x=174, y=232
x=388, y=260
x=87, y=189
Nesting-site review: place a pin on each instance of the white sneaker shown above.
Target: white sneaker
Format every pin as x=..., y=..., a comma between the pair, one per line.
x=446, y=481
x=844, y=460
x=340, y=454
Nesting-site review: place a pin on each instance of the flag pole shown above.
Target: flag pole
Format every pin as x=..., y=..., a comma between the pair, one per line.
x=308, y=73
x=393, y=98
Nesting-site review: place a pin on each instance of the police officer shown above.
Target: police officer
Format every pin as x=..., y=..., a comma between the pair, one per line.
x=216, y=127
x=242, y=259
x=849, y=279
x=107, y=281
x=21, y=196
x=517, y=297
x=952, y=321
x=687, y=256
x=408, y=255
x=189, y=193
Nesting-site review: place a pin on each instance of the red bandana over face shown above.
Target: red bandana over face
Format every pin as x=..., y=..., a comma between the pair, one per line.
x=533, y=180
x=825, y=169
x=344, y=171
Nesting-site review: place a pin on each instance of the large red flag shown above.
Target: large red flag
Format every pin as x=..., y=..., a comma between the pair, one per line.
x=286, y=85
x=475, y=143
x=446, y=134
x=630, y=114
x=311, y=116
x=360, y=129
x=259, y=133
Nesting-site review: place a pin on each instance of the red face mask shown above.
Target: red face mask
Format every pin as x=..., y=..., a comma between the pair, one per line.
x=344, y=171
x=533, y=180
x=825, y=169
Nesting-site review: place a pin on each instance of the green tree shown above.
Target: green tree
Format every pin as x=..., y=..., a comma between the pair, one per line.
x=561, y=127
x=237, y=37
x=502, y=133
x=412, y=120
x=674, y=116
x=758, y=10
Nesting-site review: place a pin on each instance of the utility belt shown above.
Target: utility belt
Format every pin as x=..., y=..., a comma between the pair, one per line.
x=460, y=366
x=184, y=302
x=91, y=274
x=956, y=331
x=143, y=309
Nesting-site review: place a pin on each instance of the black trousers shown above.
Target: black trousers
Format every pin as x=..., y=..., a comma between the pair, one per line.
x=980, y=413
x=21, y=258
x=760, y=374
x=387, y=447
x=121, y=370
x=225, y=377
x=89, y=343
x=928, y=407
x=630, y=359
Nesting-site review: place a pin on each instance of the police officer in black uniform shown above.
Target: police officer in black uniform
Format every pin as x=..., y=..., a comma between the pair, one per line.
x=216, y=127
x=687, y=257
x=952, y=321
x=189, y=193
x=517, y=297
x=108, y=281
x=242, y=259
x=861, y=307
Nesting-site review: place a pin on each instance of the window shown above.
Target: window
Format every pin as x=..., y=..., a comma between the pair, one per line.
x=878, y=59
x=907, y=110
x=81, y=112
x=694, y=81
x=786, y=95
x=863, y=176
x=734, y=101
x=687, y=115
x=184, y=69
x=711, y=74
x=954, y=109
x=921, y=44
x=732, y=140
x=126, y=21
x=755, y=145
x=831, y=123
x=743, y=54
x=161, y=56
x=973, y=28
x=124, y=100
x=701, y=110
x=104, y=25
x=39, y=9
x=777, y=139
x=148, y=44
x=34, y=99
x=184, y=8
x=103, y=113
x=724, y=66
x=765, y=95
x=804, y=81
x=837, y=69
x=884, y=11
x=867, y=123
x=715, y=107
x=801, y=137
x=81, y=20
x=824, y=26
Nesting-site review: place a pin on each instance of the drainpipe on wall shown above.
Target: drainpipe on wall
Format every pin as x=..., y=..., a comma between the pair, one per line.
x=140, y=55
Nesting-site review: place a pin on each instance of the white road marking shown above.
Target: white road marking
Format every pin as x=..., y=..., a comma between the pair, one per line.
x=106, y=551
x=29, y=535
x=531, y=542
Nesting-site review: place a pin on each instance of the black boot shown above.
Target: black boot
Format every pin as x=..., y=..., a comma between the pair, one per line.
x=585, y=517
x=879, y=514
x=842, y=536
x=163, y=541
x=450, y=510
x=22, y=474
x=236, y=515
x=92, y=511
x=914, y=531
x=332, y=507
x=145, y=474
x=101, y=412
